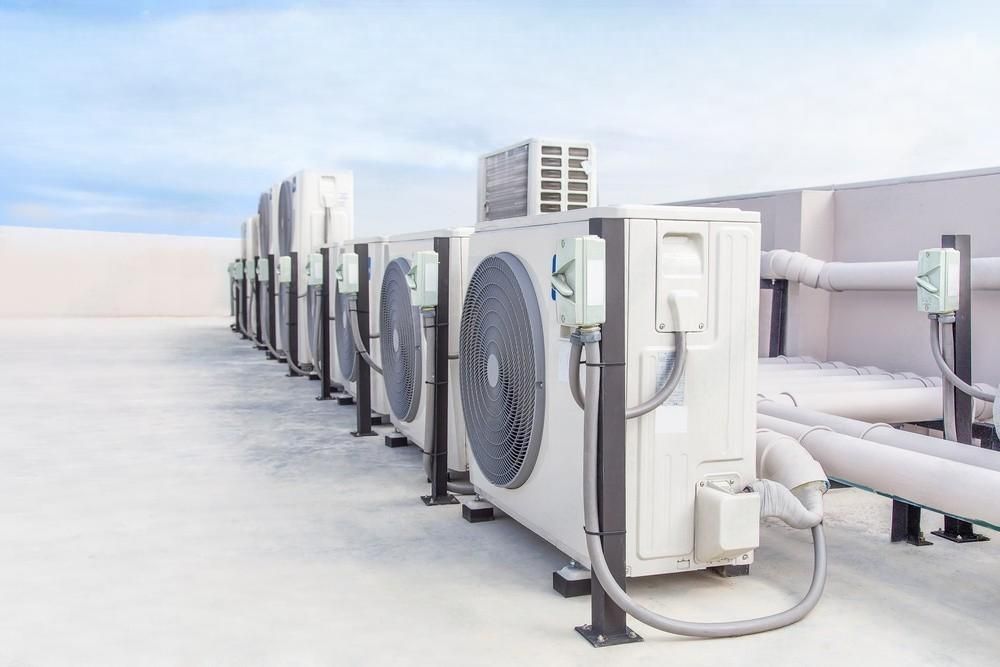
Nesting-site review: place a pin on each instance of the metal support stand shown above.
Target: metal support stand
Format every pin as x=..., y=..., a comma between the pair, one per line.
x=258, y=336
x=779, y=314
x=607, y=626
x=956, y=530
x=293, y=318
x=272, y=333
x=324, y=334
x=363, y=398
x=234, y=304
x=439, y=440
x=905, y=526
x=243, y=306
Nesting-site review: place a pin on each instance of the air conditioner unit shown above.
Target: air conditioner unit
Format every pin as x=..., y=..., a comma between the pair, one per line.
x=410, y=281
x=686, y=269
x=314, y=209
x=537, y=176
x=251, y=250
x=264, y=286
x=345, y=371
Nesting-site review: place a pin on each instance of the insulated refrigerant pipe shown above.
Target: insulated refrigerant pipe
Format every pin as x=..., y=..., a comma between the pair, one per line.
x=837, y=381
x=851, y=385
x=782, y=359
x=862, y=276
x=967, y=492
x=820, y=367
x=895, y=406
x=883, y=434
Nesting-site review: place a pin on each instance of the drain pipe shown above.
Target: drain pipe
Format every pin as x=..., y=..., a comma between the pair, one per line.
x=862, y=276
x=966, y=492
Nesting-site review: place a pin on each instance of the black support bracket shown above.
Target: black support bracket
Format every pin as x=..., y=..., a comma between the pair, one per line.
x=363, y=393
x=326, y=385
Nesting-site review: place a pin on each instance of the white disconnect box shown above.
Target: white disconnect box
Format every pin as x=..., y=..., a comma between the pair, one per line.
x=235, y=269
x=262, y=270
x=579, y=281
x=314, y=269
x=250, y=269
x=347, y=273
x=285, y=269
x=423, y=279
x=938, y=275
x=726, y=524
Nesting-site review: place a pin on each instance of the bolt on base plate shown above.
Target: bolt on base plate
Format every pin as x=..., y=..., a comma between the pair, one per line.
x=597, y=640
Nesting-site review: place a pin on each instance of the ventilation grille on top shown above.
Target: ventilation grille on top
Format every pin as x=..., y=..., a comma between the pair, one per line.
x=502, y=370
x=400, y=342
x=564, y=178
x=347, y=356
x=506, y=184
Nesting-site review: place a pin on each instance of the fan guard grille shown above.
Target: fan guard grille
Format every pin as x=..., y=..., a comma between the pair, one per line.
x=347, y=356
x=502, y=370
x=402, y=357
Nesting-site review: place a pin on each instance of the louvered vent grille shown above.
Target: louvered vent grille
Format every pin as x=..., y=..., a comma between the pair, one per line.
x=502, y=370
x=506, y=186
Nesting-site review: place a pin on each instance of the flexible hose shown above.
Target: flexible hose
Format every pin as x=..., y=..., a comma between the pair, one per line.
x=430, y=425
x=946, y=371
x=599, y=565
x=656, y=400
x=356, y=335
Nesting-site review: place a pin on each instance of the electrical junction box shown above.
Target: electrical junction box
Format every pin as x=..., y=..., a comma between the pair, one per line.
x=314, y=269
x=285, y=269
x=347, y=273
x=423, y=279
x=250, y=269
x=262, y=270
x=579, y=281
x=938, y=275
x=726, y=524
x=235, y=270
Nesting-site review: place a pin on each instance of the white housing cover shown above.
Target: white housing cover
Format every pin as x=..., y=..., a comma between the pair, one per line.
x=537, y=176
x=405, y=246
x=706, y=431
x=322, y=211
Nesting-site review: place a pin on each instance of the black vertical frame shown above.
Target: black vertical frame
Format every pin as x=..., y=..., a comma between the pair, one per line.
x=258, y=334
x=292, y=326
x=323, y=363
x=439, y=439
x=608, y=621
x=954, y=529
x=244, y=302
x=272, y=315
x=363, y=395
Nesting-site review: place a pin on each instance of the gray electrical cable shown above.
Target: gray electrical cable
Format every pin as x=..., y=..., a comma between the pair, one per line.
x=599, y=565
x=356, y=335
x=656, y=400
x=946, y=371
x=948, y=392
x=430, y=425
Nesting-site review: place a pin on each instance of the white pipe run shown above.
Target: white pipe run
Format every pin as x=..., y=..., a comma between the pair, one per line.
x=851, y=384
x=848, y=276
x=819, y=372
x=782, y=359
x=882, y=434
x=838, y=380
x=957, y=489
x=894, y=406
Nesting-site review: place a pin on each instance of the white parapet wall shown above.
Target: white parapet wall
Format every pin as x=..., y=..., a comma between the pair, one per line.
x=71, y=273
x=873, y=222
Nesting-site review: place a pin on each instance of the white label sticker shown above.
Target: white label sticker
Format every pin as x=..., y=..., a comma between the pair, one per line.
x=672, y=416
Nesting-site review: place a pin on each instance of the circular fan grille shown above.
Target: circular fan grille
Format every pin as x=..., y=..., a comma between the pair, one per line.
x=502, y=370
x=346, y=353
x=400, y=342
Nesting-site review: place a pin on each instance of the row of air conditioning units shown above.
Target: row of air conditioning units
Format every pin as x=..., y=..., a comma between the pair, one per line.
x=657, y=306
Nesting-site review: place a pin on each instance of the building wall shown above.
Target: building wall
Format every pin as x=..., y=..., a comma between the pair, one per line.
x=889, y=220
x=70, y=273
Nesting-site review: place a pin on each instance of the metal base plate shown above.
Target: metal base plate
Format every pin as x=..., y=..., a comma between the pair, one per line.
x=363, y=434
x=596, y=640
x=959, y=538
x=446, y=499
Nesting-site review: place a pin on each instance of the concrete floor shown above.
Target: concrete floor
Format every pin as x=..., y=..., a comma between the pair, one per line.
x=171, y=498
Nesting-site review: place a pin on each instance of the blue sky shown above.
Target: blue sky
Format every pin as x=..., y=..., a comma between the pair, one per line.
x=172, y=117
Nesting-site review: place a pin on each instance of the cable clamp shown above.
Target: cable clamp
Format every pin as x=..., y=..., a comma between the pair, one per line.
x=603, y=364
x=603, y=533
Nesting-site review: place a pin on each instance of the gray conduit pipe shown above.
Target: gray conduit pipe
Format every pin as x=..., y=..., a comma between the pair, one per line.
x=599, y=565
x=430, y=391
x=945, y=367
x=356, y=336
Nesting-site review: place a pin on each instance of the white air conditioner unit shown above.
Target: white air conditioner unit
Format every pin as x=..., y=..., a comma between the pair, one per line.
x=314, y=209
x=345, y=369
x=251, y=242
x=524, y=428
x=407, y=361
x=537, y=176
